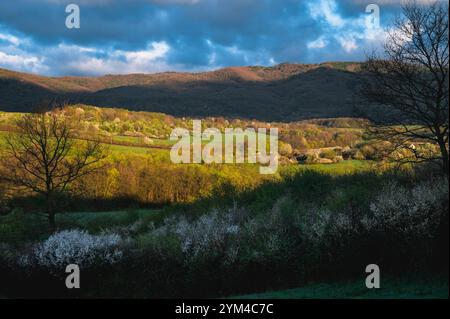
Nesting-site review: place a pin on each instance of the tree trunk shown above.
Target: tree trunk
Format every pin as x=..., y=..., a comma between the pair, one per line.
x=50, y=212
x=51, y=221
x=444, y=154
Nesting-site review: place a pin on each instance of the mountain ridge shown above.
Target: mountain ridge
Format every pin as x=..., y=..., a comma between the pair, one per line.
x=281, y=92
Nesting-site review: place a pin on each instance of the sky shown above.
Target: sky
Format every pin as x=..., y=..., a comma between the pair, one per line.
x=149, y=36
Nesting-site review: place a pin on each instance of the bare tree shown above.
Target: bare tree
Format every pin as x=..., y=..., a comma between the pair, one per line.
x=45, y=157
x=407, y=86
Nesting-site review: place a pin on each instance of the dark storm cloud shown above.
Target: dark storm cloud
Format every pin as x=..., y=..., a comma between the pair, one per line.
x=156, y=35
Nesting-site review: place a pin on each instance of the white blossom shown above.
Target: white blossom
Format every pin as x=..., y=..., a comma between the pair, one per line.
x=75, y=247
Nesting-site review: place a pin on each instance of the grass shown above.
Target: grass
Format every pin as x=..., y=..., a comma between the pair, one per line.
x=95, y=221
x=156, y=142
x=435, y=287
x=18, y=227
x=121, y=149
x=341, y=168
x=162, y=155
x=85, y=217
x=3, y=136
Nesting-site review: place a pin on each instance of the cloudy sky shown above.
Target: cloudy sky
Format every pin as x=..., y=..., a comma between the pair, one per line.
x=147, y=36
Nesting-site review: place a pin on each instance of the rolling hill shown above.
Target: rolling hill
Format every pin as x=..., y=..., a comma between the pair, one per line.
x=280, y=93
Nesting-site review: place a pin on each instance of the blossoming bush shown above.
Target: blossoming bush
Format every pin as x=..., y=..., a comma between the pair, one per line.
x=210, y=235
x=410, y=212
x=299, y=236
x=270, y=237
x=75, y=247
x=404, y=221
x=208, y=232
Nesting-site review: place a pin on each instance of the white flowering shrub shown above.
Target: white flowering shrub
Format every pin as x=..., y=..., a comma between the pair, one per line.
x=326, y=236
x=215, y=234
x=312, y=224
x=270, y=236
x=75, y=247
x=410, y=212
x=209, y=233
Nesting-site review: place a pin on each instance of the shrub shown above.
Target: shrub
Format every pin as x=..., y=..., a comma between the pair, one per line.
x=74, y=247
x=313, y=223
x=374, y=150
x=209, y=235
x=411, y=213
x=285, y=149
x=329, y=153
x=405, y=222
x=359, y=155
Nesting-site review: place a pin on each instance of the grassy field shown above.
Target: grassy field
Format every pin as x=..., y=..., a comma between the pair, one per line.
x=116, y=149
x=122, y=149
x=341, y=168
x=163, y=156
x=153, y=142
x=405, y=288
x=96, y=221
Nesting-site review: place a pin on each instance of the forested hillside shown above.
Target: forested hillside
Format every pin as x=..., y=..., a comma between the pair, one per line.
x=285, y=92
